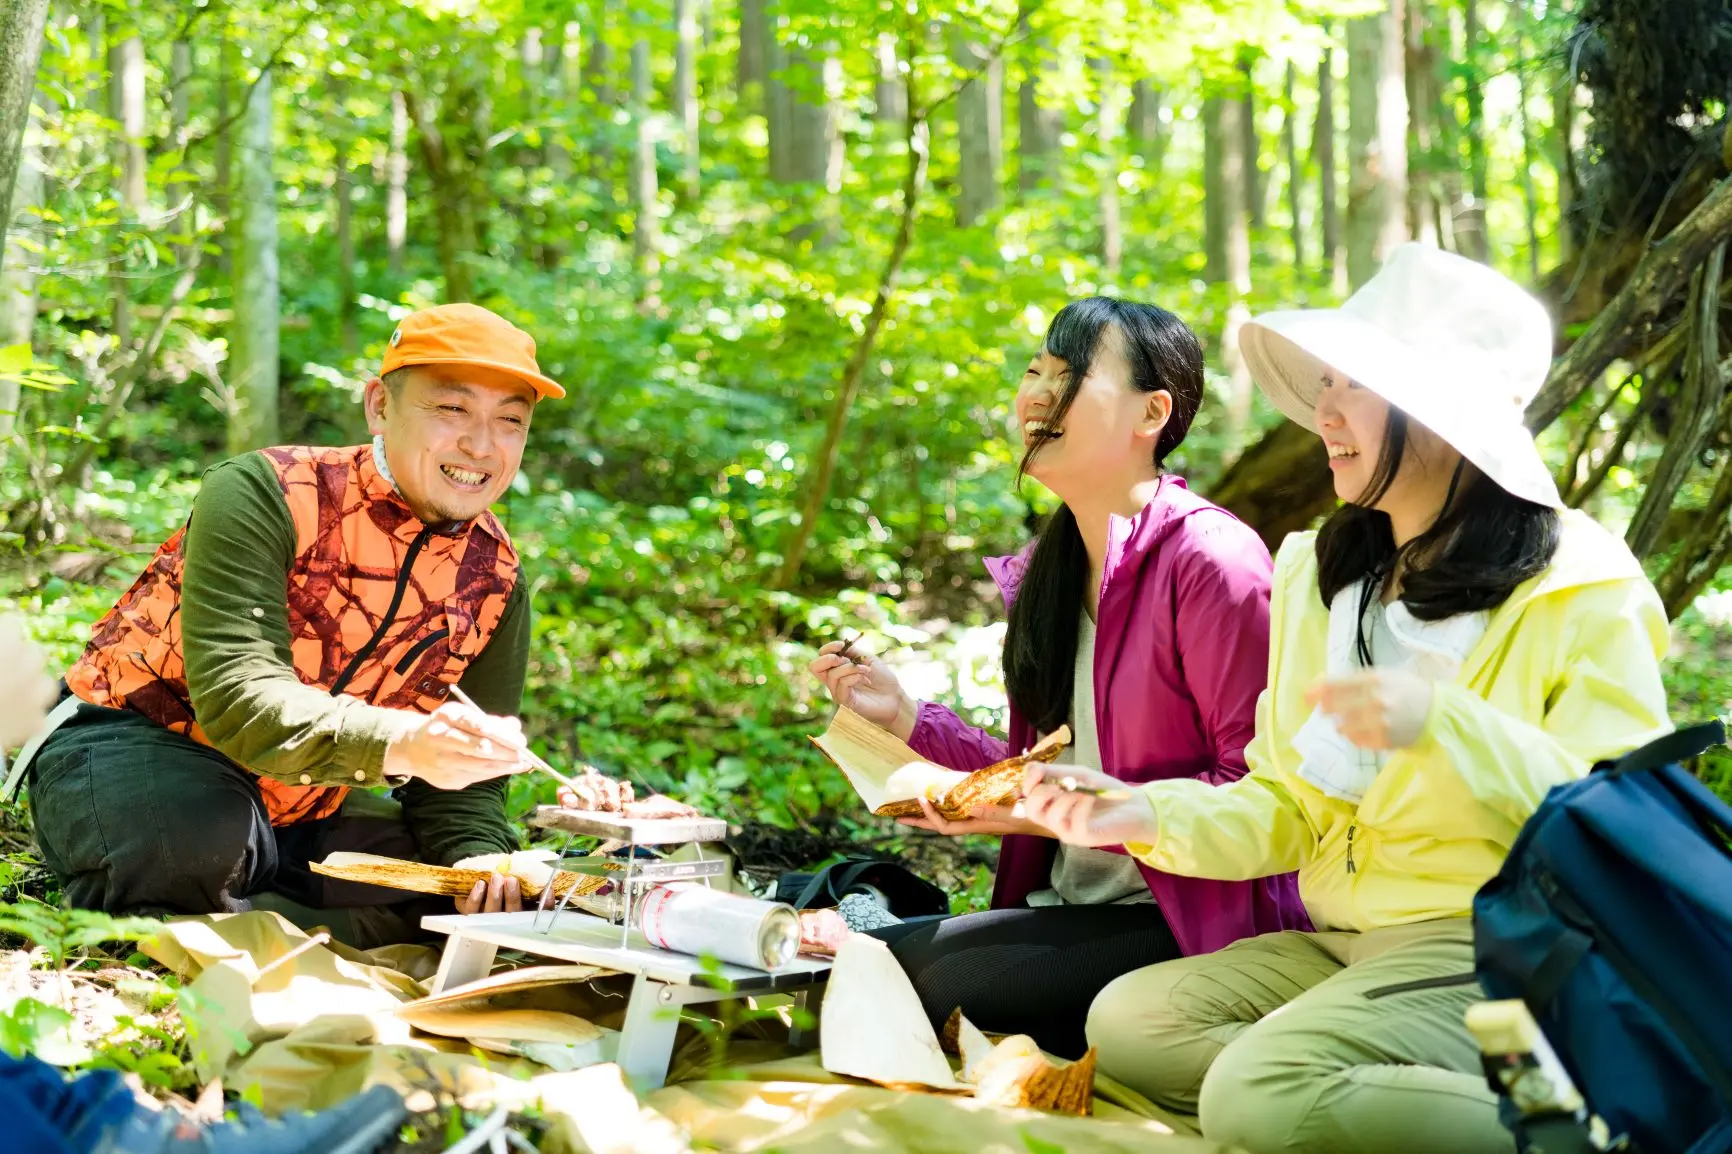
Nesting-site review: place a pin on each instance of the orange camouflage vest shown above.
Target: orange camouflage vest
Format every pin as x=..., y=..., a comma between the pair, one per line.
x=381, y=607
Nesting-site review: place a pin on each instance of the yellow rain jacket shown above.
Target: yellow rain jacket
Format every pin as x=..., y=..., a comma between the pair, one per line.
x=1567, y=673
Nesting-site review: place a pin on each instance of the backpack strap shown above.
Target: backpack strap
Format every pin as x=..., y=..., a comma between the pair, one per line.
x=1679, y=745
x=1554, y=969
x=824, y=880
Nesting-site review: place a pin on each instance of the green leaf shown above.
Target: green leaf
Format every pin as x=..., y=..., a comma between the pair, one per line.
x=15, y=360
x=33, y=1027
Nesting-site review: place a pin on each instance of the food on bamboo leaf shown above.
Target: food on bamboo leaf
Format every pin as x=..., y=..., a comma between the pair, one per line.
x=532, y=869
x=1016, y=1073
x=891, y=778
x=957, y=795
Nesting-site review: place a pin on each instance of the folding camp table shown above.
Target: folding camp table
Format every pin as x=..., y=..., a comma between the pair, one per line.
x=662, y=981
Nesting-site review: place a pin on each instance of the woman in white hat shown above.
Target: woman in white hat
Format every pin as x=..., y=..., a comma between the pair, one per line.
x=1448, y=646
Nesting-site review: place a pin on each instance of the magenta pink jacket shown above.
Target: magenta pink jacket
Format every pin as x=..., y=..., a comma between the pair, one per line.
x=1181, y=653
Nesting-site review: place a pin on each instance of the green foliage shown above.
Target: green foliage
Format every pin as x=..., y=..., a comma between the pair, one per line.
x=33, y=1027
x=153, y=1047
x=62, y=932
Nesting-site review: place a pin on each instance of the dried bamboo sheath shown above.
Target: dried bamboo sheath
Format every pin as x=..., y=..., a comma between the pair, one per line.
x=456, y=883
x=999, y=784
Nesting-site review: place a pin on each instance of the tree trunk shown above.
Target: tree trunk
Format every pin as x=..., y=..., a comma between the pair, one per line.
x=1422, y=132
x=980, y=130
x=1038, y=126
x=801, y=113
x=126, y=108
x=889, y=93
x=686, y=108
x=1295, y=173
x=754, y=37
x=823, y=467
x=18, y=274
x=342, y=193
x=1224, y=209
x=646, y=221
x=1278, y=486
x=1696, y=412
x=180, y=91
x=1563, y=156
x=1143, y=125
x=1109, y=116
x=1377, y=141
x=95, y=21
x=222, y=178
x=814, y=141
x=1530, y=204
x=397, y=185
x=1228, y=236
x=562, y=72
x=531, y=80
x=1470, y=224
x=1328, y=178
x=1629, y=317
x=778, y=102
x=1253, y=148
x=1705, y=551
x=21, y=23
x=451, y=174
x=600, y=96
x=1446, y=170
x=252, y=365
x=179, y=118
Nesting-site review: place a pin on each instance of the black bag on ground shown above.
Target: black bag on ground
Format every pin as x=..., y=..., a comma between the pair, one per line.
x=904, y=892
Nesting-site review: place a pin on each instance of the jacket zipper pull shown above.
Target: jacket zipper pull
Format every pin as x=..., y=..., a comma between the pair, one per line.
x=1351, y=868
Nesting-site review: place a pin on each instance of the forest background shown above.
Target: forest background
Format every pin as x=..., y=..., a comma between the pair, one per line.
x=787, y=257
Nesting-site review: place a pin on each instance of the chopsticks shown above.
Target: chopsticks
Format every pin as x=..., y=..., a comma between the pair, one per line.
x=1072, y=785
x=529, y=755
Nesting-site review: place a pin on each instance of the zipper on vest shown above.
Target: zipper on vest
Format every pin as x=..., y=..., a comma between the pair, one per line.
x=385, y=623
x=1351, y=868
x=421, y=647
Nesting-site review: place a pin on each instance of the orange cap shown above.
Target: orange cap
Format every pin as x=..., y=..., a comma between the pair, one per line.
x=467, y=335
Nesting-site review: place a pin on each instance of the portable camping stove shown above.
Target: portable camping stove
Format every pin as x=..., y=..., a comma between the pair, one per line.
x=639, y=874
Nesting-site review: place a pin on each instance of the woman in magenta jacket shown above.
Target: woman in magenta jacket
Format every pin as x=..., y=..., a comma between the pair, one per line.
x=1140, y=618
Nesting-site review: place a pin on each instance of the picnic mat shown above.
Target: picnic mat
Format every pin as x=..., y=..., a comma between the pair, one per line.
x=290, y=1021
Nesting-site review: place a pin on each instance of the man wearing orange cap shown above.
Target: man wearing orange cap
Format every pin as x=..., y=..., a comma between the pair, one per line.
x=299, y=638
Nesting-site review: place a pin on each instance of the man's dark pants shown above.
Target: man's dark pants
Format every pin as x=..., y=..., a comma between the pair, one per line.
x=136, y=819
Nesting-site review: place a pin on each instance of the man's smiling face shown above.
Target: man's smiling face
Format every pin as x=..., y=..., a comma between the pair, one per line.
x=454, y=436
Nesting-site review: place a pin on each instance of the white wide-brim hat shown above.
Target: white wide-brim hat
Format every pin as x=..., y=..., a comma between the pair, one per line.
x=1455, y=345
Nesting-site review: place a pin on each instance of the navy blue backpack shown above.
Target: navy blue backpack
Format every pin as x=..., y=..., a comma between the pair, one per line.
x=1612, y=920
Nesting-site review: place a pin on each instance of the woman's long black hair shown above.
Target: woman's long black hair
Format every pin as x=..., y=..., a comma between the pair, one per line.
x=1162, y=353
x=1485, y=542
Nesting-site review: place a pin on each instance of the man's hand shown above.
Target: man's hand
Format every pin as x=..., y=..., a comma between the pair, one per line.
x=457, y=746
x=500, y=893
x=596, y=793
x=26, y=690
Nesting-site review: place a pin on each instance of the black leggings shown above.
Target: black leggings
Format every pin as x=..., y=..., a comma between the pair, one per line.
x=1028, y=971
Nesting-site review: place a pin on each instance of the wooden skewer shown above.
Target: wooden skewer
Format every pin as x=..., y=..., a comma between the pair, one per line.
x=529, y=755
x=1072, y=785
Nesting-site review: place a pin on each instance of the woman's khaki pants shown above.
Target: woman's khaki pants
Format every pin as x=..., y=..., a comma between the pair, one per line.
x=1322, y=1042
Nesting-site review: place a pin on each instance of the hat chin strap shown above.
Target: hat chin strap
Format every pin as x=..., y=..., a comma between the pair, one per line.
x=383, y=465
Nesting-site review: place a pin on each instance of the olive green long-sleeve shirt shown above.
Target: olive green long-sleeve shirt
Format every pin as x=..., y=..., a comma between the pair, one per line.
x=239, y=550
